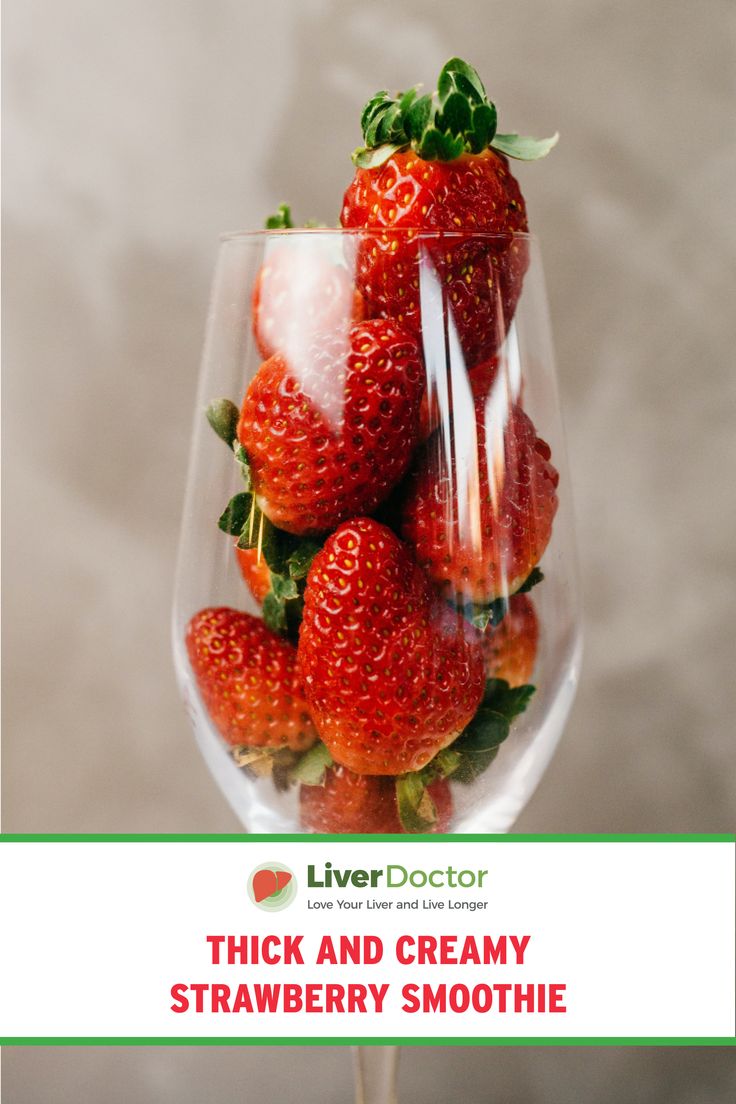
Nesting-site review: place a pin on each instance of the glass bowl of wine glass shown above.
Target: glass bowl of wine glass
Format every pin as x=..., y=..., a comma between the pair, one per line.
x=376, y=622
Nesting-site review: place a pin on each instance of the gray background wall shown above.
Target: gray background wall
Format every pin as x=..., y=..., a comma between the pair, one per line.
x=134, y=133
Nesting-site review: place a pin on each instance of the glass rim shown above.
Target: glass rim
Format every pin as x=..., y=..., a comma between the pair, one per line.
x=408, y=232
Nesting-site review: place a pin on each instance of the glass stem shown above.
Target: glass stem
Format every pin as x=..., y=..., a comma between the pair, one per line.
x=375, y=1074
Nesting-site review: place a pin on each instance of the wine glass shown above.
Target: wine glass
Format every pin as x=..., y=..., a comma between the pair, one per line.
x=477, y=493
x=394, y=644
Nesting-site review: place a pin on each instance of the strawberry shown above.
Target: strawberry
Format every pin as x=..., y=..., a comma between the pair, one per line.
x=437, y=407
x=478, y=529
x=481, y=276
x=298, y=293
x=300, y=290
x=435, y=164
x=273, y=563
x=391, y=673
x=330, y=432
x=510, y=647
x=254, y=570
x=247, y=678
x=362, y=803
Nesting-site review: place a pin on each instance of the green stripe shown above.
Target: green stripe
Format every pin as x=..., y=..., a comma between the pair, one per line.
x=542, y=1041
x=222, y=837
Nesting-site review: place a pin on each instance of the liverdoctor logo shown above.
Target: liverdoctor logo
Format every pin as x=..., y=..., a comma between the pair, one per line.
x=272, y=887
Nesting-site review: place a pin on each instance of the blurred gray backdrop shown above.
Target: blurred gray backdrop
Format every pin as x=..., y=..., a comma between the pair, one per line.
x=136, y=131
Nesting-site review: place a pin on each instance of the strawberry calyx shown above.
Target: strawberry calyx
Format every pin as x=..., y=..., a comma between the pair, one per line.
x=267, y=762
x=222, y=415
x=312, y=766
x=288, y=557
x=456, y=118
x=493, y=613
x=478, y=746
x=465, y=759
x=283, y=766
x=281, y=220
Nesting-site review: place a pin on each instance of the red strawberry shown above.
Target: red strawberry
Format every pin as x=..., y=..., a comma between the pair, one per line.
x=479, y=523
x=510, y=648
x=349, y=802
x=329, y=433
x=434, y=409
x=480, y=276
x=435, y=164
x=254, y=570
x=391, y=674
x=248, y=680
x=300, y=291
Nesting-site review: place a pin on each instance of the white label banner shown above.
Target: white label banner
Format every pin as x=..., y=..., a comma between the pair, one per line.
x=448, y=939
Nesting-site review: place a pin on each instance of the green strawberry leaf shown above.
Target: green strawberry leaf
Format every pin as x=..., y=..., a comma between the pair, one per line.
x=480, y=741
x=281, y=614
x=417, y=117
x=254, y=528
x=524, y=148
x=223, y=415
x=468, y=89
x=465, y=759
x=373, y=107
x=237, y=515
x=389, y=126
x=417, y=811
x=494, y=612
x=281, y=220
x=478, y=745
x=455, y=115
x=300, y=560
x=365, y=158
x=444, y=764
x=288, y=558
x=284, y=587
x=455, y=71
x=534, y=577
x=274, y=614
x=274, y=546
x=438, y=145
x=407, y=99
x=242, y=458
x=507, y=700
x=482, y=127
x=491, y=614
x=312, y=767
x=440, y=126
